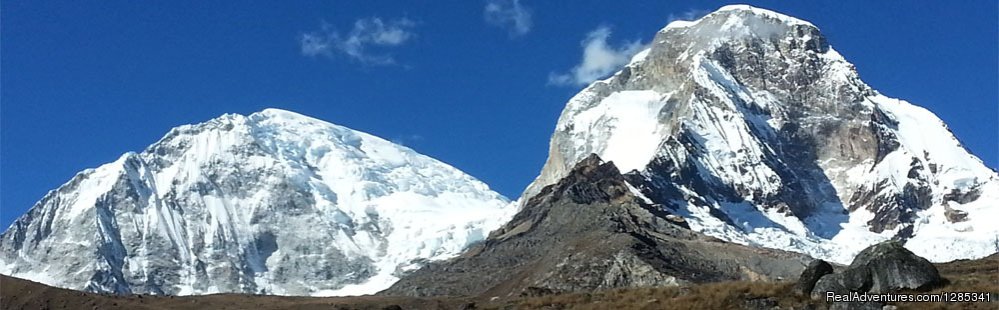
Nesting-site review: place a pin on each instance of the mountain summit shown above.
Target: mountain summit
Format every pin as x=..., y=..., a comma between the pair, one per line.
x=272, y=203
x=749, y=124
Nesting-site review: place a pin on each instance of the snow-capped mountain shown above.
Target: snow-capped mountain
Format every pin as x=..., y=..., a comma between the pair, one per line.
x=274, y=203
x=749, y=124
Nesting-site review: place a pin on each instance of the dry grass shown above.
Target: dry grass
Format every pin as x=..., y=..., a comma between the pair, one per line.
x=725, y=295
x=961, y=276
x=968, y=276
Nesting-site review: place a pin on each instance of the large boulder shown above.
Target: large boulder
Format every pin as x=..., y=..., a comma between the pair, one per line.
x=815, y=270
x=881, y=268
x=828, y=283
x=889, y=267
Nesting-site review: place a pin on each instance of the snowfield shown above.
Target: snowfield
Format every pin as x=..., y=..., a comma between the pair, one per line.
x=274, y=202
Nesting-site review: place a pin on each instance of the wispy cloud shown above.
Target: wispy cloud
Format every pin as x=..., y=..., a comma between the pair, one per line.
x=407, y=140
x=366, y=42
x=599, y=59
x=689, y=15
x=509, y=14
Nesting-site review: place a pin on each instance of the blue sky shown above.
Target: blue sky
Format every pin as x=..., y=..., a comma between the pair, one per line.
x=476, y=84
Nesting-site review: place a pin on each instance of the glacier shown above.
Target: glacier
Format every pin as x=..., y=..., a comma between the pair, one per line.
x=270, y=203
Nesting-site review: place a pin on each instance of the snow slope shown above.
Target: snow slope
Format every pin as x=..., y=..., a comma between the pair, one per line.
x=273, y=203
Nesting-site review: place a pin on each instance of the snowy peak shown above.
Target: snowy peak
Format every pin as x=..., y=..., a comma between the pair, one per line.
x=744, y=10
x=750, y=124
x=275, y=112
x=743, y=21
x=274, y=202
x=715, y=53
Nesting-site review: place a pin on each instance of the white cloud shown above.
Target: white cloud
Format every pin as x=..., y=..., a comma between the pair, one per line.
x=407, y=140
x=367, y=34
x=509, y=14
x=689, y=15
x=599, y=59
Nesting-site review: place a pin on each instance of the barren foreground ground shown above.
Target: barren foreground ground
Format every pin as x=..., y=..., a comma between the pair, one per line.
x=966, y=276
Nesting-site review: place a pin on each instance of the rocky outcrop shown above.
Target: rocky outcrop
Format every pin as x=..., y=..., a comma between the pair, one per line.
x=892, y=267
x=882, y=268
x=955, y=216
x=590, y=231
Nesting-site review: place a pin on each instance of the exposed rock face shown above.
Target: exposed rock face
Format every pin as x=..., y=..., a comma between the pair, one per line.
x=956, y=216
x=752, y=127
x=592, y=231
x=815, y=270
x=273, y=202
x=882, y=268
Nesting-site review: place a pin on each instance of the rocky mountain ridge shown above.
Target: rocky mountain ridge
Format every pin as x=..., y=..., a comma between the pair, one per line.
x=592, y=231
